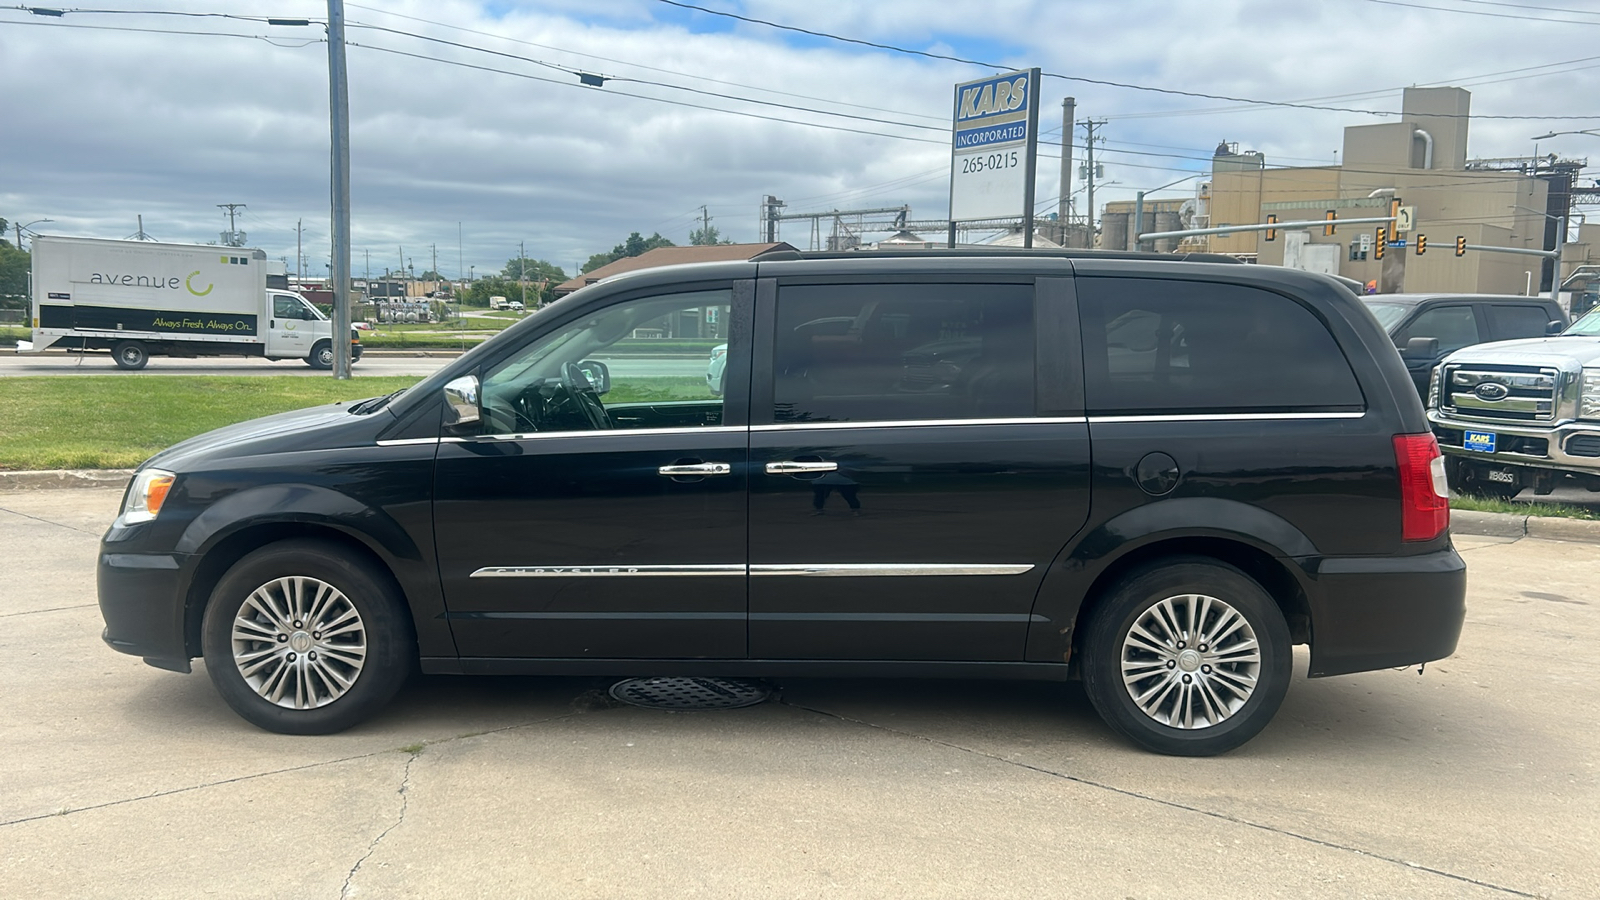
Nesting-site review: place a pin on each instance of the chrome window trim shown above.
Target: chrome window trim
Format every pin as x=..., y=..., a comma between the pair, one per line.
x=878, y=570
x=546, y=435
x=408, y=442
x=824, y=570
x=920, y=423
x=1226, y=417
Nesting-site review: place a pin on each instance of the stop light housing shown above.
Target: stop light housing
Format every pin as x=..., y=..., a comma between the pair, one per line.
x=1272, y=233
x=1461, y=245
x=1381, y=244
x=1422, y=244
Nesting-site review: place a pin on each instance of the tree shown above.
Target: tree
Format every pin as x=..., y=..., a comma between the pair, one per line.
x=633, y=246
x=14, y=265
x=705, y=237
x=539, y=276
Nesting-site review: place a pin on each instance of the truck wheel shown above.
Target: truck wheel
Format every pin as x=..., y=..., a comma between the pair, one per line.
x=1188, y=657
x=301, y=638
x=321, y=356
x=130, y=355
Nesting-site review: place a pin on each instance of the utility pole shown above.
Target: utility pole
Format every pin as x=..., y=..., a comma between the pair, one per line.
x=138, y=235
x=770, y=206
x=369, y=264
x=1069, y=107
x=339, y=126
x=522, y=271
x=435, y=268
x=233, y=237
x=705, y=223
x=299, y=255
x=459, y=257
x=1089, y=125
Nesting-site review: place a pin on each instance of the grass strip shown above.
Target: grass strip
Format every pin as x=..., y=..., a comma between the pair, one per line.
x=1518, y=508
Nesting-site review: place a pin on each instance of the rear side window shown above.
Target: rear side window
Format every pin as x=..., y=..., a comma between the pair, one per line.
x=1509, y=322
x=899, y=352
x=1153, y=346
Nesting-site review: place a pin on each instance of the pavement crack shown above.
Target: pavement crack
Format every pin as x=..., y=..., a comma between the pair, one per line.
x=31, y=612
x=1173, y=804
x=405, y=803
x=93, y=534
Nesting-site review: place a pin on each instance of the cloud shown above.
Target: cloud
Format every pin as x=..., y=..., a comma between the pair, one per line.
x=106, y=125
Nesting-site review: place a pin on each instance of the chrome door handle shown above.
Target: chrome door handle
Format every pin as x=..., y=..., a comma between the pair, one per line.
x=790, y=467
x=710, y=468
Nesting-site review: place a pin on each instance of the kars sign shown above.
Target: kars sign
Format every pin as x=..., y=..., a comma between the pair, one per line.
x=993, y=146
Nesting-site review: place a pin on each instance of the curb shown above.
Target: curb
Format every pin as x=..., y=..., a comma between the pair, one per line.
x=56, y=479
x=1548, y=528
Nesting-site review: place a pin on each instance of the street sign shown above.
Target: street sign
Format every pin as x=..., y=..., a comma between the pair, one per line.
x=1405, y=219
x=994, y=142
x=1366, y=243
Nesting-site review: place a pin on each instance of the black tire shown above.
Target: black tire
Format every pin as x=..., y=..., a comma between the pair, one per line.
x=1212, y=675
x=130, y=355
x=1460, y=478
x=328, y=706
x=321, y=356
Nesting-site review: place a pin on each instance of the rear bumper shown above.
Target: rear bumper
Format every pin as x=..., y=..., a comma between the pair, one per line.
x=142, y=604
x=1379, y=612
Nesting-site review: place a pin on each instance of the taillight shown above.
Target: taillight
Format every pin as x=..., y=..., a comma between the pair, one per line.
x=1424, y=493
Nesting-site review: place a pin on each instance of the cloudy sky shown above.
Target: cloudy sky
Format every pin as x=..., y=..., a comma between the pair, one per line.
x=467, y=118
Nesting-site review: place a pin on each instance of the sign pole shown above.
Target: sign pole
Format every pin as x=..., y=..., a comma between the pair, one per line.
x=1033, y=158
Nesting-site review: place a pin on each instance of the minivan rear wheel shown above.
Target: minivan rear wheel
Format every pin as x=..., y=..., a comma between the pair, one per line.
x=1188, y=657
x=300, y=638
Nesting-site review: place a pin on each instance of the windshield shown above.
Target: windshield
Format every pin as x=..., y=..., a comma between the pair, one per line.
x=1388, y=314
x=1588, y=326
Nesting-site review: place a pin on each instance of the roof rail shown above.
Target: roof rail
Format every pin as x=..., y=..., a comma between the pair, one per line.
x=1047, y=252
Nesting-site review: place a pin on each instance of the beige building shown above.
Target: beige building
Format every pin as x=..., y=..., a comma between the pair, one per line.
x=1422, y=160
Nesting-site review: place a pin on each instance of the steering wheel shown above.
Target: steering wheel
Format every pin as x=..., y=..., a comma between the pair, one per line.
x=584, y=395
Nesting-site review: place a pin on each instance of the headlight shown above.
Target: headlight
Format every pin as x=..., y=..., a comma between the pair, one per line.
x=1433, y=387
x=1589, y=400
x=149, y=491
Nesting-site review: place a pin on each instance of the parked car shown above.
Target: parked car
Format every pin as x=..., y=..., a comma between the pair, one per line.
x=1428, y=327
x=1036, y=465
x=1521, y=414
x=715, y=367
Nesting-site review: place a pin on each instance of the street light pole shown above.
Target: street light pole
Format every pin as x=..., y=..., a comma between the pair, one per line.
x=1138, y=208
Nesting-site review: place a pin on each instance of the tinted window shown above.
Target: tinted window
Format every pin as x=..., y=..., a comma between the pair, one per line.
x=1510, y=321
x=1155, y=346
x=658, y=355
x=864, y=353
x=1454, y=326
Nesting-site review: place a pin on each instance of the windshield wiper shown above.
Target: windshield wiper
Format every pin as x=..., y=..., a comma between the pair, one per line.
x=374, y=404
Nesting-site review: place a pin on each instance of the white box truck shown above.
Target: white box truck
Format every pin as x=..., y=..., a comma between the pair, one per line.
x=140, y=299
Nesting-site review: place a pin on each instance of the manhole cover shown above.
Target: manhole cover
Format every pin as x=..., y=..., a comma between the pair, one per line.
x=689, y=693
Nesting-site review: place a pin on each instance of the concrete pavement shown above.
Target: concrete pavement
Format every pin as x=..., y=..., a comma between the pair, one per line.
x=1477, y=779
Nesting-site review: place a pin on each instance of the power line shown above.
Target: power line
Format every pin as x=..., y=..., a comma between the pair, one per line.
x=1479, y=12
x=1099, y=81
x=288, y=43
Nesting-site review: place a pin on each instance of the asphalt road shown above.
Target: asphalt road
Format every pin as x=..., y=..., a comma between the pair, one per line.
x=1476, y=779
x=380, y=364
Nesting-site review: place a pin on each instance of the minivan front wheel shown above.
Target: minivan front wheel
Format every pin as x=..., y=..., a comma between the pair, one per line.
x=302, y=639
x=1189, y=657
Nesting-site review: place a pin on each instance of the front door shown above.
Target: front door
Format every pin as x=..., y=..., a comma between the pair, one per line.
x=582, y=525
x=906, y=493
x=289, y=333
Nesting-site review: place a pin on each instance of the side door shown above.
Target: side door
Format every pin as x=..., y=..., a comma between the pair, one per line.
x=910, y=481
x=288, y=333
x=1513, y=321
x=581, y=525
x=1454, y=325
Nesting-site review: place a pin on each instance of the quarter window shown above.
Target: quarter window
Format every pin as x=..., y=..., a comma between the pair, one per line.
x=1509, y=321
x=1154, y=346
x=901, y=352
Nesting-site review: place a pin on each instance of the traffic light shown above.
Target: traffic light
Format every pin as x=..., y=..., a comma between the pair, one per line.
x=1422, y=244
x=1272, y=233
x=1380, y=244
x=1331, y=216
x=1461, y=245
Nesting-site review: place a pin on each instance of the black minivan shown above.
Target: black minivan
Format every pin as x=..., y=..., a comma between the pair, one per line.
x=1155, y=476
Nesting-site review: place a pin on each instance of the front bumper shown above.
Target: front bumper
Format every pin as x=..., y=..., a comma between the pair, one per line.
x=141, y=601
x=1380, y=612
x=1536, y=446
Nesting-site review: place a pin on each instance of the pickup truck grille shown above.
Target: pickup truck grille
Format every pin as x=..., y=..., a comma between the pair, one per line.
x=1505, y=393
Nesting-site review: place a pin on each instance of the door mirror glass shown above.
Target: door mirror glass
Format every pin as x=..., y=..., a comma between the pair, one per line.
x=598, y=373
x=461, y=401
x=1554, y=326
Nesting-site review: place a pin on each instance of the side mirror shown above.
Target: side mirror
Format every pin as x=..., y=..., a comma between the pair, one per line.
x=598, y=373
x=1554, y=327
x=1421, y=348
x=461, y=402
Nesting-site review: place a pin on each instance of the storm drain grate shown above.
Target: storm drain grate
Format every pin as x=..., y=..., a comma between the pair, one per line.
x=689, y=693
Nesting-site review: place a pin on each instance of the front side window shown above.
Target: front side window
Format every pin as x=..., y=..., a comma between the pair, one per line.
x=286, y=307
x=1454, y=326
x=1153, y=346
x=900, y=352
x=639, y=364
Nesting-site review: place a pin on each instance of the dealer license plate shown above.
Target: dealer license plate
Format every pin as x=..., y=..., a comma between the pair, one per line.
x=1481, y=441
